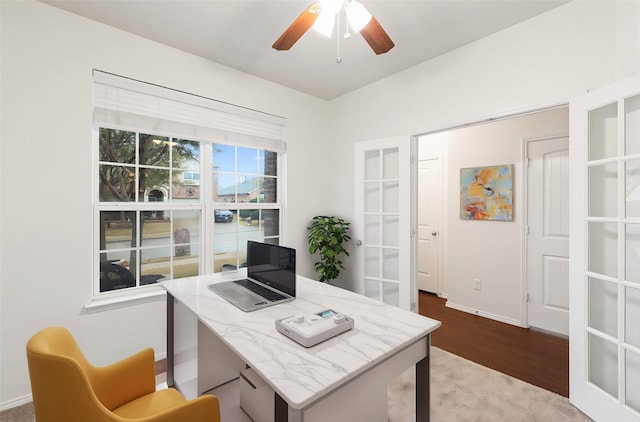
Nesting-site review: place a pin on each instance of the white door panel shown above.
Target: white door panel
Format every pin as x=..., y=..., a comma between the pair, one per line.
x=548, y=237
x=429, y=206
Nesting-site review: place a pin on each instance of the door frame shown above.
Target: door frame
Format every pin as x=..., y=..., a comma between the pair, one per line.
x=525, y=218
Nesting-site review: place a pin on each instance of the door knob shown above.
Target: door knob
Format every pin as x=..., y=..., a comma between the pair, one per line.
x=434, y=233
x=359, y=243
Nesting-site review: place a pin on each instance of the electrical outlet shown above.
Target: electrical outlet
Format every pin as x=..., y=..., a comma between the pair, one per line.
x=477, y=284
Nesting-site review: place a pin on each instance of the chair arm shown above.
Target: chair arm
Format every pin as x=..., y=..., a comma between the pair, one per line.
x=201, y=409
x=125, y=380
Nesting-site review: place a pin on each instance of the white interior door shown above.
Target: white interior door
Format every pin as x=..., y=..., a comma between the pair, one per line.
x=382, y=221
x=429, y=208
x=605, y=252
x=548, y=234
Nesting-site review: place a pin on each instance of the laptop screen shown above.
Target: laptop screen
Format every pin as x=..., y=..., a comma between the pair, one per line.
x=272, y=265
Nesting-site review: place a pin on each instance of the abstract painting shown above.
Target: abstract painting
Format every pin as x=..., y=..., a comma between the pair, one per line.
x=486, y=193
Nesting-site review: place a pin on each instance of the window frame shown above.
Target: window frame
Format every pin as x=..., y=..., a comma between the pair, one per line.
x=206, y=205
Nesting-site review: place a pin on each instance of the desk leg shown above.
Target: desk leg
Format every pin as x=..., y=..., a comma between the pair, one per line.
x=423, y=386
x=170, y=345
x=283, y=413
x=281, y=409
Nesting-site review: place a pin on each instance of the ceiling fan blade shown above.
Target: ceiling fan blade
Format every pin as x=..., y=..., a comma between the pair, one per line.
x=376, y=37
x=297, y=28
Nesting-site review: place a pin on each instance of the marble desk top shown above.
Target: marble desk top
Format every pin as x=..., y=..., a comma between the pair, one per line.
x=302, y=375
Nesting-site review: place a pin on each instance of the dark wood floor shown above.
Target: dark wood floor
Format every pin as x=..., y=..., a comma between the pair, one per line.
x=536, y=357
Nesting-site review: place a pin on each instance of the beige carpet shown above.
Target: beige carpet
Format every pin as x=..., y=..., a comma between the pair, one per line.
x=461, y=391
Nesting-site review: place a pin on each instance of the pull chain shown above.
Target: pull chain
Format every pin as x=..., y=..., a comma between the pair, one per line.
x=338, y=58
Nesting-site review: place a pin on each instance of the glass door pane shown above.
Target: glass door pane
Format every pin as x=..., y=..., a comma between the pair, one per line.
x=603, y=132
x=632, y=125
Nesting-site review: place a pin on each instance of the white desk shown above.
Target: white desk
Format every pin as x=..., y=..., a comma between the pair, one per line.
x=343, y=379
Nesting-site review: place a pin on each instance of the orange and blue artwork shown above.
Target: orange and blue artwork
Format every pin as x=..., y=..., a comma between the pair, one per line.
x=486, y=193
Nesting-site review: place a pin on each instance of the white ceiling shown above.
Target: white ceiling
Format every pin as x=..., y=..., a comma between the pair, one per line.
x=239, y=34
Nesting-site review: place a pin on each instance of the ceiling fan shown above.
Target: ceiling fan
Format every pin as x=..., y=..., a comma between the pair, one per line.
x=321, y=16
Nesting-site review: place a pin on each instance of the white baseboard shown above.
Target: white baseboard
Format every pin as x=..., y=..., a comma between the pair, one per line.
x=489, y=315
x=16, y=402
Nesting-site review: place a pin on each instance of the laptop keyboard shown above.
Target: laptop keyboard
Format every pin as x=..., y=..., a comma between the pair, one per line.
x=270, y=295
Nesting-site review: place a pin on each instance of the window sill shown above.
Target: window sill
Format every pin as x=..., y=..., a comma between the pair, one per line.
x=106, y=304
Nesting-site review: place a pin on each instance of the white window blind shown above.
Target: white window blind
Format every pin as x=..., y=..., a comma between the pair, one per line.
x=130, y=104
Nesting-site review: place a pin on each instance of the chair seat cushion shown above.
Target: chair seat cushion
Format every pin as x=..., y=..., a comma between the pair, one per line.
x=151, y=404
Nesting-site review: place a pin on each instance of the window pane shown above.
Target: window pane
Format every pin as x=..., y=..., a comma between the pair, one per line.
x=114, y=271
x=224, y=187
x=247, y=189
x=249, y=227
x=117, y=146
x=155, y=264
x=271, y=222
x=390, y=264
x=116, y=183
x=372, y=196
x=186, y=238
x=154, y=185
x=632, y=125
x=186, y=174
x=372, y=165
x=391, y=293
x=603, y=248
x=154, y=150
x=603, y=364
x=247, y=161
x=632, y=248
x=603, y=188
x=184, y=153
x=224, y=158
x=269, y=193
x=603, y=132
x=390, y=163
x=226, y=255
x=632, y=316
x=632, y=391
x=603, y=306
x=372, y=229
x=391, y=197
x=372, y=288
x=391, y=230
x=269, y=163
x=185, y=187
x=632, y=181
x=371, y=262
x=116, y=230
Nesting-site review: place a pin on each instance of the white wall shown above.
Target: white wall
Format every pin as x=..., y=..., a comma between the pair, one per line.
x=544, y=61
x=46, y=250
x=491, y=251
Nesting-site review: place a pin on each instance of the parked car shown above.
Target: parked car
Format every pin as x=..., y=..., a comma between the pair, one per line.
x=224, y=216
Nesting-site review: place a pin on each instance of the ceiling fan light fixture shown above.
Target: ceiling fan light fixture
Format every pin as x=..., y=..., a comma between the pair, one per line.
x=357, y=14
x=331, y=6
x=324, y=23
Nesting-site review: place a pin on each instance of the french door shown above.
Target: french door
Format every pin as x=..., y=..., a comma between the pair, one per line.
x=383, y=221
x=605, y=252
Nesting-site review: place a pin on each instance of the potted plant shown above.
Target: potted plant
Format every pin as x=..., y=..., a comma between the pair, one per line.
x=327, y=236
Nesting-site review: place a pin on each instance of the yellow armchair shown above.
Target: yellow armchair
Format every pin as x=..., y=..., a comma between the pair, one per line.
x=66, y=387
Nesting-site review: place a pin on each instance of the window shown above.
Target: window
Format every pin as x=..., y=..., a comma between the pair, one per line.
x=172, y=200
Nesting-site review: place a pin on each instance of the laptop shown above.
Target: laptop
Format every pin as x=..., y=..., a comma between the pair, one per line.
x=271, y=278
